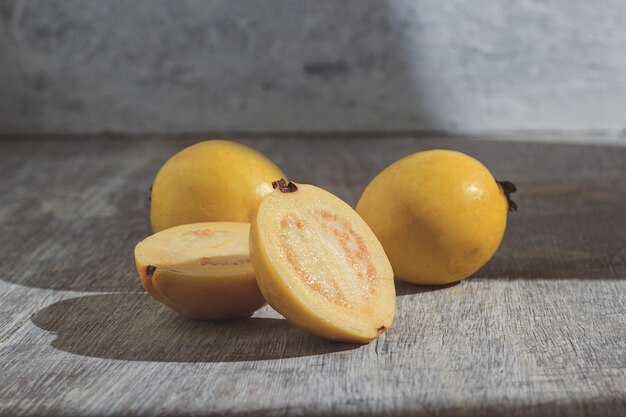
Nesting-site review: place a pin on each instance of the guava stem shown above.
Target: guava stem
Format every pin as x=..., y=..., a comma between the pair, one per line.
x=285, y=187
x=508, y=188
x=150, y=270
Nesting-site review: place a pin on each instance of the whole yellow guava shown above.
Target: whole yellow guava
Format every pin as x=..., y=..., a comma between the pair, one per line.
x=440, y=215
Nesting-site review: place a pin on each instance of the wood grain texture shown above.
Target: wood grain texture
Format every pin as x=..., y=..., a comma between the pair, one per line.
x=541, y=330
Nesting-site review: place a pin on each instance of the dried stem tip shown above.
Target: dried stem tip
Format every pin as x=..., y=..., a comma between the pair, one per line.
x=509, y=188
x=285, y=187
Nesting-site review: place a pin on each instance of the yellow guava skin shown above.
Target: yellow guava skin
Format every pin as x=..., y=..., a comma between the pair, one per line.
x=440, y=215
x=211, y=181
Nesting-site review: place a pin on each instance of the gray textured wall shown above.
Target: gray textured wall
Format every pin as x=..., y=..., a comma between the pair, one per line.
x=185, y=65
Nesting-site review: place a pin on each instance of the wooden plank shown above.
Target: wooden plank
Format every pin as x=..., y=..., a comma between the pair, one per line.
x=541, y=330
x=468, y=349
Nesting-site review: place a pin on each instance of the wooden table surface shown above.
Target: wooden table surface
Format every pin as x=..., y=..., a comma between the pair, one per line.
x=541, y=330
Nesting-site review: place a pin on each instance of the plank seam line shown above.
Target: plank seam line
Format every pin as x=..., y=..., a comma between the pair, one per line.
x=17, y=326
x=21, y=323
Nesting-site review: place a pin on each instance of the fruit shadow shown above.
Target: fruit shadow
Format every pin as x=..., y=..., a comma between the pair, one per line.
x=406, y=288
x=134, y=327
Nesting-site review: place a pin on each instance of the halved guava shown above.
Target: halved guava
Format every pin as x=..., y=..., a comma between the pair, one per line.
x=201, y=270
x=319, y=264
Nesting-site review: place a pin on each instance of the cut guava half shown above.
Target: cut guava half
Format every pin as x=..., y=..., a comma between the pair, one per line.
x=201, y=270
x=320, y=266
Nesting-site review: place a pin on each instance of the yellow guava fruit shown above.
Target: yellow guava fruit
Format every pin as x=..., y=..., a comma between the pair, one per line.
x=440, y=215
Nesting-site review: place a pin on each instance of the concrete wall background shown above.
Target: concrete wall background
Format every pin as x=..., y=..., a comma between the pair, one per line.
x=233, y=65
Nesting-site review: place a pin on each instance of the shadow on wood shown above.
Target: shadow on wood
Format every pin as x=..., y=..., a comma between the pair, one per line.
x=406, y=288
x=563, y=231
x=135, y=327
x=72, y=215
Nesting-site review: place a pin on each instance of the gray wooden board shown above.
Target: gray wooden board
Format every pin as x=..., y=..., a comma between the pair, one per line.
x=541, y=330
